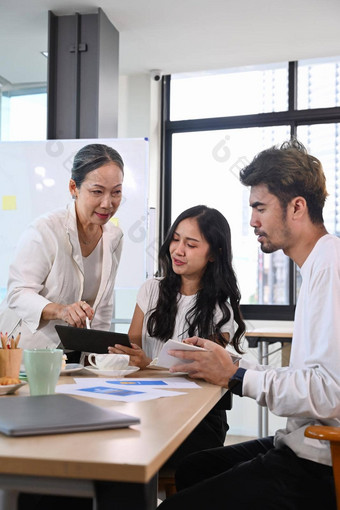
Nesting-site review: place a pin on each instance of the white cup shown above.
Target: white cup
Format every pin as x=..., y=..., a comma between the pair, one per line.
x=109, y=361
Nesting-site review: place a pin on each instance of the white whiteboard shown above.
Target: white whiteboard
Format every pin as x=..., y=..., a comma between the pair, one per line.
x=34, y=179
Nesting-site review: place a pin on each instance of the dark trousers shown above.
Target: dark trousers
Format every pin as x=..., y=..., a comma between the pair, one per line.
x=210, y=433
x=252, y=475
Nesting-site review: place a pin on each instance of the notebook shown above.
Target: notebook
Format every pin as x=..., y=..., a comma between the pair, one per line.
x=90, y=340
x=56, y=414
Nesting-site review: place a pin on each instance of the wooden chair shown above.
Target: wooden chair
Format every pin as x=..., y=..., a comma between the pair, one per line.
x=166, y=481
x=331, y=434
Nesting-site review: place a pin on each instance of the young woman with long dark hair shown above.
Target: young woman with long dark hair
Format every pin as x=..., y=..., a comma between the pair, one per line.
x=196, y=294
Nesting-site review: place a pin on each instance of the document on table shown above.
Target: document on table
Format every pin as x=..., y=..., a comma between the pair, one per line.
x=107, y=389
x=144, y=383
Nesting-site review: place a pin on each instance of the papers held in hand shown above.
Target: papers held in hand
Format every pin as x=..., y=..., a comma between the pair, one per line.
x=165, y=360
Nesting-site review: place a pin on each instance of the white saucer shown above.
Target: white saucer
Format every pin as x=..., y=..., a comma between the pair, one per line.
x=6, y=389
x=112, y=373
x=70, y=368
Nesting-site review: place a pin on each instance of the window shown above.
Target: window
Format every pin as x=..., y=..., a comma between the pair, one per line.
x=318, y=83
x=258, y=90
x=214, y=124
x=323, y=141
x=207, y=157
x=23, y=113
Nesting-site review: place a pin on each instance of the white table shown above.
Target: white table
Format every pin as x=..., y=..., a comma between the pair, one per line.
x=262, y=338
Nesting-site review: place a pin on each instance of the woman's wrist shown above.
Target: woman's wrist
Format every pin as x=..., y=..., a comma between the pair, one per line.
x=146, y=362
x=52, y=311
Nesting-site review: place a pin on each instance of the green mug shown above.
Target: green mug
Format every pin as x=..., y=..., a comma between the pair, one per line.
x=42, y=368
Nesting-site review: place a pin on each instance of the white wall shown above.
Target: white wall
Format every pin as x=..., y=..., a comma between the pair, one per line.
x=139, y=117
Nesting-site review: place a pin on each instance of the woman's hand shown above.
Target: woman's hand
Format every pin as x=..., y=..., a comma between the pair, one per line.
x=138, y=357
x=74, y=314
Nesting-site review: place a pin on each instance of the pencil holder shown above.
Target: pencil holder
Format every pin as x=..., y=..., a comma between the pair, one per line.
x=10, y=361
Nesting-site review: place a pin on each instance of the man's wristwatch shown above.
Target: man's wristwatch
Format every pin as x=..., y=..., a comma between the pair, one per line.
x=236, y=382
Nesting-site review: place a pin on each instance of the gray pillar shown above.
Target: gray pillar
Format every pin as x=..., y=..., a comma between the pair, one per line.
x=83, y=52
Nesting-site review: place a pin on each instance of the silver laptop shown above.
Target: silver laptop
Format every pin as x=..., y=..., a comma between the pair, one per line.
x=56, y=414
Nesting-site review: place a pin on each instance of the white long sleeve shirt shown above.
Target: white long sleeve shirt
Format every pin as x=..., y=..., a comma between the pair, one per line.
x=48, y=268
x=308, y=391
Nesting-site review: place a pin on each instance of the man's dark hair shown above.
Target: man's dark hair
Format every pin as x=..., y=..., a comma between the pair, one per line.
x=289, y=171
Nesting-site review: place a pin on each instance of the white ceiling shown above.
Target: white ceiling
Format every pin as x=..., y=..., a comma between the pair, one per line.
x=177, y=35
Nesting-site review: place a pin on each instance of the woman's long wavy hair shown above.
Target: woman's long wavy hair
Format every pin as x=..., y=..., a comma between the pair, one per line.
x=218, y=284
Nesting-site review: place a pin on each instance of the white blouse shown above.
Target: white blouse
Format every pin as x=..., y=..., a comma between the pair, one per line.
x=147, y=300
x=92, y=273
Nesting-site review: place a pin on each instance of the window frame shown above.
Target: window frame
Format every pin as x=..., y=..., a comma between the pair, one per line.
x=291, y=117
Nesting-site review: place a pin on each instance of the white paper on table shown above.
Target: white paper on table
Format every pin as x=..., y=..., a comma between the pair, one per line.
x=105, y=391
x=143, y=383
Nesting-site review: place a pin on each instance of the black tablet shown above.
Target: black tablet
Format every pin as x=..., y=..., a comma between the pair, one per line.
x=90, y=340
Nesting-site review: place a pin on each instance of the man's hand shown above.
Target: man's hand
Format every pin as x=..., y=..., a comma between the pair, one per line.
x=215, y=365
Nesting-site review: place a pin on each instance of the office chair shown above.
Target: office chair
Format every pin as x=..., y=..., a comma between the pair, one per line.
x=331, y=434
